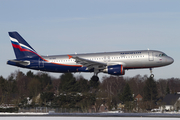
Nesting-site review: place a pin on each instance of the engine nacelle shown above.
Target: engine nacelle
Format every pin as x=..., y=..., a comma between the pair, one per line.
x=115, y=70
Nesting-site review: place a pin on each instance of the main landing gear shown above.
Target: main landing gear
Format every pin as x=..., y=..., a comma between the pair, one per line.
x=152, y=75
x=95, y=77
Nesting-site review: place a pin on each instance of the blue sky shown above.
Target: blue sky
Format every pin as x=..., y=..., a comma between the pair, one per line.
x=84, y=26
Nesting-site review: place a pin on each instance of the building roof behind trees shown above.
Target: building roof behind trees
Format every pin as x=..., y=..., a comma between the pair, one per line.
x=170, y=99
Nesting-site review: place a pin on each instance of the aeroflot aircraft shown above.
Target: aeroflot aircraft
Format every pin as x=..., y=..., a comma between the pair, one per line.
x=113, y=63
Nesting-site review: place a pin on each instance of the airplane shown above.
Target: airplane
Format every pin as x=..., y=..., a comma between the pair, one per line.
x=113, y=63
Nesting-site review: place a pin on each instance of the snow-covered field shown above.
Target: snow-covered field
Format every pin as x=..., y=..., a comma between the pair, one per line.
x=86, y=118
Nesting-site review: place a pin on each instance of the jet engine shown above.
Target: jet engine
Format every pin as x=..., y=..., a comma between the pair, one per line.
x=114, y=70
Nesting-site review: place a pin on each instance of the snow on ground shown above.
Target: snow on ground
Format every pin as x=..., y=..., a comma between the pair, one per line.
x=85, y=118
x=27, y=113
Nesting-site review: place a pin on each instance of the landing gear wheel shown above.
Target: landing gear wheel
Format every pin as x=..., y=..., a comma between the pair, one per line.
x=95, y=78
x=152, y=75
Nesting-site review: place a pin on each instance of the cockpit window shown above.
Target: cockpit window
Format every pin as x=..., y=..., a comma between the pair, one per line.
x=163, y=54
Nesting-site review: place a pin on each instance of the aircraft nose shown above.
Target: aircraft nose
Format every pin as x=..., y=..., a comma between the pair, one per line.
x=170, y=60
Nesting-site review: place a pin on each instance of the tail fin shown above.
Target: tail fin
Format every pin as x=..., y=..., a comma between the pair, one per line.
x=21, y=48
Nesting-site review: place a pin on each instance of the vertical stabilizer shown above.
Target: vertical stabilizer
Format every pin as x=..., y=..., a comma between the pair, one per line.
x=21, y=48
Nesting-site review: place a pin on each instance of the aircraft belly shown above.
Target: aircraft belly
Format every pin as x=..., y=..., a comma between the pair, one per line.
x=54, y=67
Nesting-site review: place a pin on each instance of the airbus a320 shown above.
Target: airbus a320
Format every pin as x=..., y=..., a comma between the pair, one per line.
x=113, y=63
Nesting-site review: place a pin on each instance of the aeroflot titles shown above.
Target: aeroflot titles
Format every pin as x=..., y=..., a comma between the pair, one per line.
x=131, y=53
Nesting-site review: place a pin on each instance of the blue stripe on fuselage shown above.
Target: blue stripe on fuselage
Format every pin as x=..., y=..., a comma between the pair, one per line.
x=51, y=67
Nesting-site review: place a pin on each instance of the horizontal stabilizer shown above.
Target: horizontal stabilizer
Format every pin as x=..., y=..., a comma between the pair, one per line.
x=24, y=63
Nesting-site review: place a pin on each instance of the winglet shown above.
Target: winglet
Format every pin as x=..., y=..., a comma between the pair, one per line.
x=70, y=56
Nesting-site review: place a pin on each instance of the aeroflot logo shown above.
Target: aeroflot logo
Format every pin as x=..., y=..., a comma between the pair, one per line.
x=130, y=53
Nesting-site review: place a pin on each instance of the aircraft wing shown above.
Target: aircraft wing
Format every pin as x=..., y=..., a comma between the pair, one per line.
x=88, y=63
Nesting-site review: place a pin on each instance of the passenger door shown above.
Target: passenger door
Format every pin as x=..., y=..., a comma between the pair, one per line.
x=151, y=57
x=41, y=63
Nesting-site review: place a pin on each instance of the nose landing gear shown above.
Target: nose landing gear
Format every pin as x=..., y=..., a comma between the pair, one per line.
x=152, y=75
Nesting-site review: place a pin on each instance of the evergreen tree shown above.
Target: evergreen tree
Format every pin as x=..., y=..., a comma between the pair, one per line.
x=30, y=74
x=127, y=94
x=68, y=83
x=2, y=84
x=167, y=89
x=150, y=90
x=47, y=97
x=44, y=80
x=150, y=93
x=33, y=87
x=83, y=85
x=127, y=98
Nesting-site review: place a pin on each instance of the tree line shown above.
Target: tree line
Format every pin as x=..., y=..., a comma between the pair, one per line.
x=69, y=91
